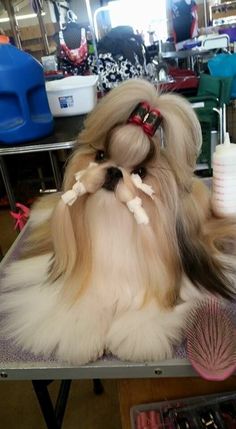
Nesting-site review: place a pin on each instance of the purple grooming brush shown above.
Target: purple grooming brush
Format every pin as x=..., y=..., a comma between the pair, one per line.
x=211, y=340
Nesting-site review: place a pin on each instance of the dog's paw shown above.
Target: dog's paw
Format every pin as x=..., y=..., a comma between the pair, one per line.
x=86, y=346
x=145, y=335
x=83, y=339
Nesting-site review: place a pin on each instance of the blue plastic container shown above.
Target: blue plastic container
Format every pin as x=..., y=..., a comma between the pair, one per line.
x=24, y=109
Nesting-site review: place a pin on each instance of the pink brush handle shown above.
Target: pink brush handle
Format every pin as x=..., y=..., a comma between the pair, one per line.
x=213, y=376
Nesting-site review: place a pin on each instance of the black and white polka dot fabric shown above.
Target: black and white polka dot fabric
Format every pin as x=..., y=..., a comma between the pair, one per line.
x=114, y=69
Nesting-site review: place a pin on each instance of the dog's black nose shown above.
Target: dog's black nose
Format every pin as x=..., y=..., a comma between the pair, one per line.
x=113, y=175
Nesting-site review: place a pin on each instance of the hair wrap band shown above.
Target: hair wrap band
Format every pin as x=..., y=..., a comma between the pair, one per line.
x=146, y=117
x=139, y=113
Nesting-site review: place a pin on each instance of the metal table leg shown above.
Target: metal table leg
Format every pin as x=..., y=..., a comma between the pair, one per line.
x=56, y=170
x=61, y=402
x=6, y=181
x=53, y=417
x=98, y=388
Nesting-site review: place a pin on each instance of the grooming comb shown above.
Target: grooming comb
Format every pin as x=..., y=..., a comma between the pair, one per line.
x=211, y=340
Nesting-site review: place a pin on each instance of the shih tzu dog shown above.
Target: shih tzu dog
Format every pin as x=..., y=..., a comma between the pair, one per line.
x=115, y=262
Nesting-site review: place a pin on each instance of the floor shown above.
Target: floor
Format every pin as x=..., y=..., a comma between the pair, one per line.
x=19, y=408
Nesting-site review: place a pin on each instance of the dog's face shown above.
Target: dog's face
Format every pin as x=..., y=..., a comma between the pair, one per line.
x=126, y=151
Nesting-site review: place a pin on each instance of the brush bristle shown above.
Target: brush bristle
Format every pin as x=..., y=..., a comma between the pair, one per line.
x=211, y=340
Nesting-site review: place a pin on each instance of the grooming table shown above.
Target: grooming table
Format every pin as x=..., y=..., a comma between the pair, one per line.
x=16, y=364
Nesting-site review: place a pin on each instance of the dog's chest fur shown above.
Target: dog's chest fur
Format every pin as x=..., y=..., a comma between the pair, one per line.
x=116, y=252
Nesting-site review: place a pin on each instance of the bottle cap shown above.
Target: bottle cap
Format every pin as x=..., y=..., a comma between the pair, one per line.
x=227, y=139
x=226, y=147
x=4, y=40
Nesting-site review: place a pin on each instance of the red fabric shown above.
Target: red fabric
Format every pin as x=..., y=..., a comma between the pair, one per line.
x=183, y=79
x=76, y=56
x=187, y=82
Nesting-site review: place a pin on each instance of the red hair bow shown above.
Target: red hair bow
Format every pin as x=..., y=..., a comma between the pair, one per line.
x=146, y=117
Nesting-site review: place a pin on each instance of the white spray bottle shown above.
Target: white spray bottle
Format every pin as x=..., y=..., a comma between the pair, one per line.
x=224, y=179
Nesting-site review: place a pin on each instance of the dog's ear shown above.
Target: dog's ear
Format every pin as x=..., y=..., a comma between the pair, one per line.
x=203, y=268
x=198, y=237
x=64, y=243
x=182, y=135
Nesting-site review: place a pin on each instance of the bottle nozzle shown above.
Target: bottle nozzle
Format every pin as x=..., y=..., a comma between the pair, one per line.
x=226, y=139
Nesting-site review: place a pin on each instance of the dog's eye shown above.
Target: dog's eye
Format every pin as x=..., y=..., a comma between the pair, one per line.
x=100, y=155
x=141, y=171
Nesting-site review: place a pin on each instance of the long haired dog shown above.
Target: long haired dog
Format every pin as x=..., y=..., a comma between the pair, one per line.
x=114, y=263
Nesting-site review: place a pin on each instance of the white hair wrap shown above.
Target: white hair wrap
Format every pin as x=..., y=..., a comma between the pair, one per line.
x=71, y=196
x=78, y=189
x=134, y=204
x=137, y=181
x=135, y=207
